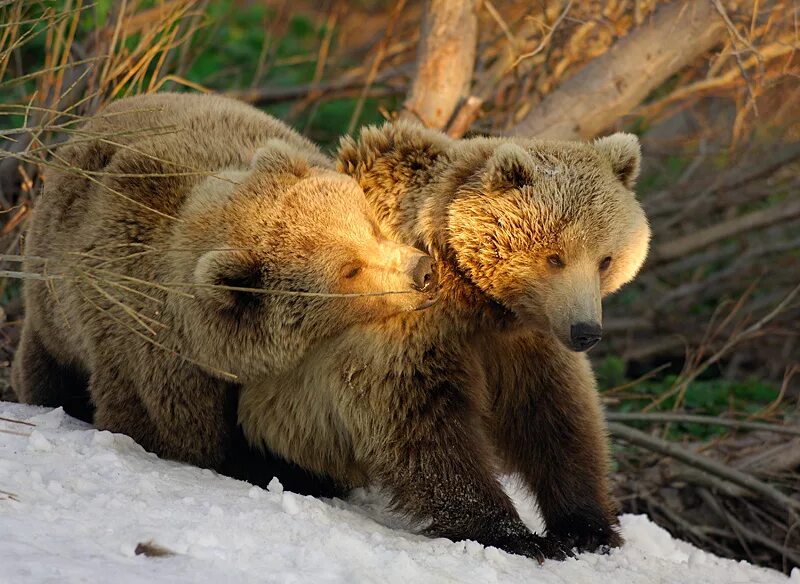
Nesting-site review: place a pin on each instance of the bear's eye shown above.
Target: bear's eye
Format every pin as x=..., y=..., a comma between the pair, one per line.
x=351, y=270
x=605, y=263
x=555, y=260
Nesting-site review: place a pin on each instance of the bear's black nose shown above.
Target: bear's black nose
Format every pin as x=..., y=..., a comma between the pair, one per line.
x=424, y=274
x=584, y=335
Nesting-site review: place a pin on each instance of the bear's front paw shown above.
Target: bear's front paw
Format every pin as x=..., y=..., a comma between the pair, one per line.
x=536, y=547
x=550, y=548
x=587, y=533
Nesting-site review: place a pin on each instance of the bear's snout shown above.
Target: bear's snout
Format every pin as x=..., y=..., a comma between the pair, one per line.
x=584, y=335
x=423, y=275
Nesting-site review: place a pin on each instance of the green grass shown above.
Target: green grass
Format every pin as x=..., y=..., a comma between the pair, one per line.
x=711, y=396
x=227, y=50
x=234, y=42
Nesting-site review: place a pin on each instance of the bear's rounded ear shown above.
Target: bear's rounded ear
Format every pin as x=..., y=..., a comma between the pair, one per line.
x=510, y=166
x=219, y=270
x=282, y=158
x=407, y=145
x=624, y=153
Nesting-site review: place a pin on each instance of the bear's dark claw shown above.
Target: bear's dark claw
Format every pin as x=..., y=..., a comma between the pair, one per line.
x=586, y=534
x=537, y=547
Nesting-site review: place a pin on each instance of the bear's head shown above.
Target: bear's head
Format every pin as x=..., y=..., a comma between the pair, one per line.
x=543, y=228
x=547, y=229
x=289, y=253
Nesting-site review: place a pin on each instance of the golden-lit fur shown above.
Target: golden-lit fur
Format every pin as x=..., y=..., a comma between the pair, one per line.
x=433, y=405
x=497, y=213
x=202, y=191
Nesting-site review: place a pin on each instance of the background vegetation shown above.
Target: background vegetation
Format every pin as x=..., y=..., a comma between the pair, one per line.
x=699, y=361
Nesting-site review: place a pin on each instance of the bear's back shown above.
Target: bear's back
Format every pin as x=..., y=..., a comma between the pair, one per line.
x=141, y=160
x=121, y=187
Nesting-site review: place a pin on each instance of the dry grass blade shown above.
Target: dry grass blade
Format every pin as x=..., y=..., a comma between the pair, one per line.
x=692, y=372
x=43, y=72
x=649, y=375
x=13, y=433
x=153, y=342
x=13, y=421
x=9, y=495
x=177, y=286
x=280, y=292
x=134, y=314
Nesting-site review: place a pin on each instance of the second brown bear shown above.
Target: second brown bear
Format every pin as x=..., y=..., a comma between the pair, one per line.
x=433, y=406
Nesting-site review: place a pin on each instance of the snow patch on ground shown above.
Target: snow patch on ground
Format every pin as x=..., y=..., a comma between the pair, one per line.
x=83, y=499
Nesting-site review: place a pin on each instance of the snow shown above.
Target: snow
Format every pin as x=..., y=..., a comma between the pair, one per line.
x=83, y=499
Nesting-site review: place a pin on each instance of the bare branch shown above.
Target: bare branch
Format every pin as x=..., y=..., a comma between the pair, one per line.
x=683, y=246
x=678, y=452
x=614, y=83
x=658, y=417
x=747, y=533
x=345, y=85
x=466, y=114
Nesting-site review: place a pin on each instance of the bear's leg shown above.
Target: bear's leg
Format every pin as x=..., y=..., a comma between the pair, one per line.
x=39, y=378
x=436, y=462
x=191, y=411
x=171, y=408
x=258, y=467
x=549, y=427
x=119, y=408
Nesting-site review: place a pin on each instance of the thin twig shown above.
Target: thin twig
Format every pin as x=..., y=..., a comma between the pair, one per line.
x=376, y=63
x=13, y=433
x=11, y=496
x=748, y=533
x=654, y=444
x=658, y=417
x=546, y=38
x=732, y=341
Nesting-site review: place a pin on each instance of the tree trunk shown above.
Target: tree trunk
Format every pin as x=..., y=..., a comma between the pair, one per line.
x=614, y=83
x=445, y=62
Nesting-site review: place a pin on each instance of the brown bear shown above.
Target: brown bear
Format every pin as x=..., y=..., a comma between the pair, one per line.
x=194, y=243
x=528, y=236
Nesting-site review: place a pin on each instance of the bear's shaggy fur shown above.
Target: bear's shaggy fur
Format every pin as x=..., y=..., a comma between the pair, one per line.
x=169, y=202
x=434, y=405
